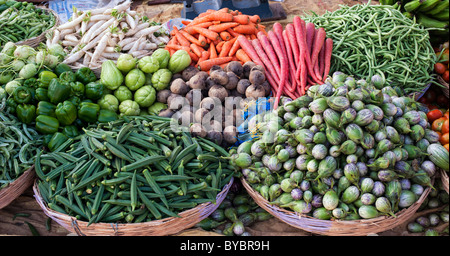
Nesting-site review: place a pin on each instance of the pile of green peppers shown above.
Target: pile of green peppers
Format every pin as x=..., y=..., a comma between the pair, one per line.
x=60, y=103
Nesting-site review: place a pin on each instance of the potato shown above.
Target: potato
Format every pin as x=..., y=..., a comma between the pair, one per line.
x=214, y=68
x=214, y=125
x=230, y=134
x=194, y=97
x=219, y=76
x=161, y=96
x=179, y=86
x=246, y=68
x=176, y=76
x=197, y=130
x=242, y=86
x=199, y=114
x=232, y=103
x=235, y=93
x=258, y=67
x=233, y=80
x=219, y=92
x=175, y=101
x=257, y=77
x=255, y=91
x=189, y=72
x=186, y=118
x=214, y=136
x=235, y=67
x=166, y=113
x=198, y=80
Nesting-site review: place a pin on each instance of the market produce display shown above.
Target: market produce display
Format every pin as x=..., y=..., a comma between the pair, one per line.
x=346, y=150
x=236, y=212
x=132, y=170
x=22, y=20
x=211, y=38
x=212, y=104
x=91, y=37
x=379, y=40
x=339, y=116
x=18, y=146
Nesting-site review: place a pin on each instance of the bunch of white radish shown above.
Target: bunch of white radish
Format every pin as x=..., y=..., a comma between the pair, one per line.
x=91, y=37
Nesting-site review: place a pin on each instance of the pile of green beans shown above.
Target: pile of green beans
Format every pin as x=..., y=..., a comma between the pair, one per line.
x=378, y=39
x=18, y=147
x=132, y=170
x=22, y=21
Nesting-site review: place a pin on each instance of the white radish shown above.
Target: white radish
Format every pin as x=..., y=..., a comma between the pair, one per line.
x=111, y=55
x=73, y=23
x=147, y=31
x=130, y=21
x=91, y=30
x=73, y=57
x=100, y=47
x=87, y=59
x=71, y=37
x=56, y=37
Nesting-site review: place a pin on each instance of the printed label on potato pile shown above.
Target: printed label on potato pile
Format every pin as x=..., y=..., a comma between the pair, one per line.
x=210, y=247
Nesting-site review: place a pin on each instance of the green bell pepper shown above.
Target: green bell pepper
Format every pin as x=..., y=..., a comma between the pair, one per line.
x=45, y=77
x=88, y=112
x=106, y=116
x=85, y=75
x=68, y=76
x=31, y=83
x=77, y=89
x=47, y=124
x=57, y=140
x=58, y=91
x=75, y=100
x=46, y=108
x=66, y=112
x=61, y=68
x=94, y=90
x=47, y=139
x=71, y=131
x=41, y=94
x=11, y=105
x=22, y=94
x=26, y=113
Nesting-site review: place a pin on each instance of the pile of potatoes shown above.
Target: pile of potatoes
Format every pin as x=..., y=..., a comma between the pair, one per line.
x=212, y=103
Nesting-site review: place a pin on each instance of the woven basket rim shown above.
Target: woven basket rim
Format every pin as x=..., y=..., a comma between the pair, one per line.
x=17, y=187
x=40, y=38
x=64, y=219
x=337, y=227
x=444, y=179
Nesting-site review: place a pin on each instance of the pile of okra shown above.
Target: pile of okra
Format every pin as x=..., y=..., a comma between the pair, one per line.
x=133, y=170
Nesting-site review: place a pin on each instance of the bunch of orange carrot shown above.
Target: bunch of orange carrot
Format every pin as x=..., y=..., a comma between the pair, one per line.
x=294, y=58
x=211, y=38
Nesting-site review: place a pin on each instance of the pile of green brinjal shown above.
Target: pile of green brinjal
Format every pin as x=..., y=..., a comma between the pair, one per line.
x=59, y=102
x=348, y=149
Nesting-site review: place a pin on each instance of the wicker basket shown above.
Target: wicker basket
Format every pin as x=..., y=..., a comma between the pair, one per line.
x=361, y=227
x=17, y=187
x=444, y=179
x=163, y=227
x=445, y=84
x=35, y=41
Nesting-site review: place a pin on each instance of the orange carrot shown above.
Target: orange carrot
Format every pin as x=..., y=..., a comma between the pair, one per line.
x=202, y=40
x=207, y=64
x=242, y=56
x=221, y=16
x=232, y=33
x=234, y=48
x=219, y=46
x=197, y=49
x=225, y=35
x=181, y=39
x=205, y=24
x=241, y=19
x=245, y=29
x=190, y=38
x=206, y=32
x=203, y=14
x=222, y=26
x=185, y=22
x=255, y=18
x=225, y=49
x=253, y=36
x=205, y=56
x=212, y=51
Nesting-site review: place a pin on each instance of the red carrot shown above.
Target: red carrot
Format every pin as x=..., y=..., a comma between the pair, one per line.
x=319, y=41
x=321, y=62
x=247, y=46
x=290, y=59
x=310, y=32
x=283, y=62
x=301, y=27
x=293, y=42
x=267, y=63
x=328, y=51
x=268, y=48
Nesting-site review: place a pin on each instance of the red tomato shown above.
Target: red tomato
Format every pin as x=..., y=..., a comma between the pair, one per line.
x=444, y=139
x=445, y=76
x=446, y=147
x=444, y=128
x=439, y=68
x=447, y=114
x=433, y=115
x=437, y=124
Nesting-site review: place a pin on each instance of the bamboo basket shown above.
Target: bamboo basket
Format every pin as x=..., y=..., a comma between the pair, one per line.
x=163, y=227
x=444, y=179
x=35, y=41
x=445, y=84
x=361, y=227
x=17, y=187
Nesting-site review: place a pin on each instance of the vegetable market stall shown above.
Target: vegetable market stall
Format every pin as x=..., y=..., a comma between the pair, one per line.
x=24, y=215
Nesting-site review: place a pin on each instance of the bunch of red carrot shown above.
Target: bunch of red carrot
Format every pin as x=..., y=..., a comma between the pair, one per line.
x=211, y=38
x=294, y=58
